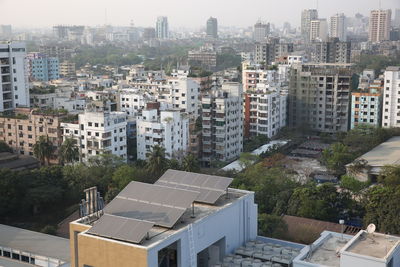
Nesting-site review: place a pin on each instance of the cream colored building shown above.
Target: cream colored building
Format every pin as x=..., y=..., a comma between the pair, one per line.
x=22, y=130
x=379, y=25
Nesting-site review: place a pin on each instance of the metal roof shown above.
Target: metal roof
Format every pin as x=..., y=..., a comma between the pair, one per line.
x=211, y=187
x=34, y=242
x=121, y=228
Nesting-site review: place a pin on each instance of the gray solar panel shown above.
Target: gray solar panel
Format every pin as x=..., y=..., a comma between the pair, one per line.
x=210, y=187
x=155, y=203
x=159, y=195
x=121, y=228
x=160, y=215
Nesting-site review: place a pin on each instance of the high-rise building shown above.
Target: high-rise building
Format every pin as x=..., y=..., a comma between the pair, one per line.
x=168, y=129
x=319, y=96
x=212, y=28
x=306, y=17
x=67, y=69
x=379, y=25
x=222, y=126
x=397, y=18
x=98, y=133
x=261, y=31
x=149, y=34
x=268, y=52
x=162, y=31
x=391, y=96
x=264, y=111
x=318, y=30
x=338, y=27
x=42, y=68
x=332, y=51
x=14, y=78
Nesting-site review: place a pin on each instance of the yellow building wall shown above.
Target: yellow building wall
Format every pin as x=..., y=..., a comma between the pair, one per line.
x=100, y=252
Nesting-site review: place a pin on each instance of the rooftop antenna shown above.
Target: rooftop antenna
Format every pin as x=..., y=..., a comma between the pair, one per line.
x=380, y=4
x=105, y=16
x=317, y=5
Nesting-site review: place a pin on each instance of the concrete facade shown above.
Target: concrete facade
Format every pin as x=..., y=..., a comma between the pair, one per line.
x=13, y=77
x=391, y=98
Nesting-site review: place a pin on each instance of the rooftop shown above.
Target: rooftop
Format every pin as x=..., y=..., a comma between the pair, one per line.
x=387, y=153
x=373, y=245
x=34, y=242
x=327, y=253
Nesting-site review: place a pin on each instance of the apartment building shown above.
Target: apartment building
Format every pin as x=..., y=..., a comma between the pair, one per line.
x=338, y=27
x=67, y=69
x=307, y=16
x=391, y=98
x=269, y=52
x=162, y=30
x=205, y=57
x=332, y=51
x=42, y=68
x=365, y=109
x=98, y=132
x=253, y=74
x=379, y=25
x=261, y=31
x=132, y=101
x=14, y=86
x=265, y=111
x=318, y=30
x=319, y=96
x=22, y=129
x=183, y=94
x=167, y=128
x=222, y=126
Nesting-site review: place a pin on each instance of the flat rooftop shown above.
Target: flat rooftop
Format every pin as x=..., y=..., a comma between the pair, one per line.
x=6, y=262
x=373, y=245
x=201, y=210
x=34, y=242
x=327, y=253
x=387, y=153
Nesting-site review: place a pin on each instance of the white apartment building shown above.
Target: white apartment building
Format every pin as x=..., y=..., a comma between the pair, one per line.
x=169, y=129
x=222, y=130
x=183, y=94
x=13, y=77
x=132, y=101
x=265, y=111
x=379, y=25
x=318, y=30
x=307, y=16
x=391, y=98
x=338, y=27
x=253, y=74
x=98, y=133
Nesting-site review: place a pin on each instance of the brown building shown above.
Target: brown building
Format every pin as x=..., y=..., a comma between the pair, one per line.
x=21, y=130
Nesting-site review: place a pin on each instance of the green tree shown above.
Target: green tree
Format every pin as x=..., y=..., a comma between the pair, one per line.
x=43, y=149
x=247, y=159
x=69, y=153
x=123, y=175
x=382, y=208
x=390, y=175
x=272, y=226
x=156, y=161
x=190, y=163
x=336, y=157
x=350, y=183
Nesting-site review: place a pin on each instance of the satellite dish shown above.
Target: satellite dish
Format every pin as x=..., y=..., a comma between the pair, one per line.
x=371, y=228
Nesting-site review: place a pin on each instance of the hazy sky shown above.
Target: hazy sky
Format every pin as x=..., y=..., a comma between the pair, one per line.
x=181, y=13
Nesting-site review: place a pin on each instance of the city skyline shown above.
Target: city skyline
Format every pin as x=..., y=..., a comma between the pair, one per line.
x=195, y=15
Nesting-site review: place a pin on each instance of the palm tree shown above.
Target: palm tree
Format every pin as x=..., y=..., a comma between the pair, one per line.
x=69, y=151
x=156, y=161
x=43, y=149
x=190, y=163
